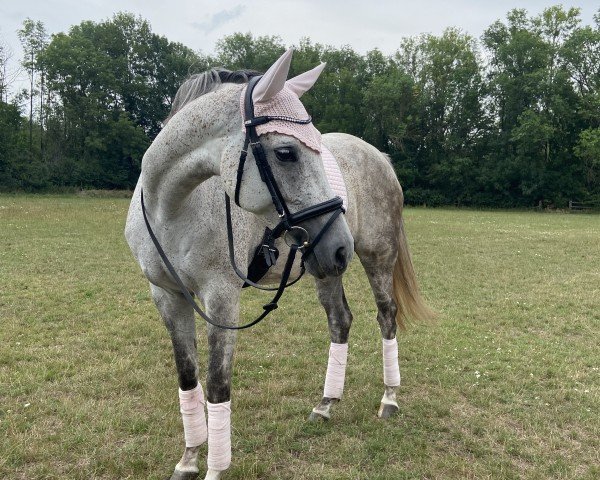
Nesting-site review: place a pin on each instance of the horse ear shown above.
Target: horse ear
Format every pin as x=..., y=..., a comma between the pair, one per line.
x=273, y=81
x=303, y=82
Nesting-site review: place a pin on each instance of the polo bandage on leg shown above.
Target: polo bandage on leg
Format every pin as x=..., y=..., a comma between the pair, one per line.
x=191, y=403
x=336, y=370
x=391, y=370
x=219, y=435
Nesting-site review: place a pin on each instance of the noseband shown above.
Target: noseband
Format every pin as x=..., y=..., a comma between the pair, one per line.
x=288, y=226
x=288, y=220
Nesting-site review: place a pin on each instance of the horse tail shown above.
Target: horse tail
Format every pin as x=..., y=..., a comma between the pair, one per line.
x=410, y=303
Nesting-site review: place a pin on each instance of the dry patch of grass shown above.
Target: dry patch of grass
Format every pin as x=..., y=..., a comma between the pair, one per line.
x=505, y=385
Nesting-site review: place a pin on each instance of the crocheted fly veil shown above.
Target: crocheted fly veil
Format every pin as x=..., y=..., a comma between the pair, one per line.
x=278, y=97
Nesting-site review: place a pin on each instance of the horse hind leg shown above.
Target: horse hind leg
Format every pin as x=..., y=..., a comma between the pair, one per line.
x=380, y=272
x=339, y=318
x=178, y=317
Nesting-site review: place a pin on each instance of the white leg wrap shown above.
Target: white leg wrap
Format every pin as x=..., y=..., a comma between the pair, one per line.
x=191, y=403
x=336, y=370
x=391, y=370
x=219, y=435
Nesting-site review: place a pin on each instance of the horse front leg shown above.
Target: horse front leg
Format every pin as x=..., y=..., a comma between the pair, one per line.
x=222, y=306
x=178, y=317
x=339, y=318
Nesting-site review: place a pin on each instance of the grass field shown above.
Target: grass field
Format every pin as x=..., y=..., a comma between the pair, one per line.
x=506, y=385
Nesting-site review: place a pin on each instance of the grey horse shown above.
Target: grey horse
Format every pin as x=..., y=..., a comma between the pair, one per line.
x=185, y=173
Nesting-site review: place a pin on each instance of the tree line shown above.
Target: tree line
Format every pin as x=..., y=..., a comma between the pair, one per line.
x=510, y=119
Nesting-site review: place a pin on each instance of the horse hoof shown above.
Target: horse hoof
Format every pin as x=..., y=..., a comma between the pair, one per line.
x=178, y=475
x=317, y=417
x=386, y=410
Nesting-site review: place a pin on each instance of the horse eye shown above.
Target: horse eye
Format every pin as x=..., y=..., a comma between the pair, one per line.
x=285, y=155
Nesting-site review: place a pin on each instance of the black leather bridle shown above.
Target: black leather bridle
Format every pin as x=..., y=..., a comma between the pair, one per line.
x=290, y=222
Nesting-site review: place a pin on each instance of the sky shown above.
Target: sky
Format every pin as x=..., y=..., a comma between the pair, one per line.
x=198, y=24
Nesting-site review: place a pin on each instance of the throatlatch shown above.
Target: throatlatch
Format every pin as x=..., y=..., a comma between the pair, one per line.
x=288, y=226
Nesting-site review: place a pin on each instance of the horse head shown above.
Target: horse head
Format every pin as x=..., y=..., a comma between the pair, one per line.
x=288, y=146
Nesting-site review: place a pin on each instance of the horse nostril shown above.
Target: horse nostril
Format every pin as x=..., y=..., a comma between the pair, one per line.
x=340, y=258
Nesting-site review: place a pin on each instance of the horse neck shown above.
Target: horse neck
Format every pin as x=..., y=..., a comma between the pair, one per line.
x=189, y=149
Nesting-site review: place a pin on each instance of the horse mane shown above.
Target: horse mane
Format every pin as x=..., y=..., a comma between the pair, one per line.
x=201, y=83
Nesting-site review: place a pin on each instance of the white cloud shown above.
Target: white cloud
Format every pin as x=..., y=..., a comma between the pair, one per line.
x=219, y=19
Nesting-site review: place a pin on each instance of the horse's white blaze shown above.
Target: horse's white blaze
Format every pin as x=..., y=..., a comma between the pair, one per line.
x=336, y=370
x=219, y=436
x=191, y=403
x=391, y=369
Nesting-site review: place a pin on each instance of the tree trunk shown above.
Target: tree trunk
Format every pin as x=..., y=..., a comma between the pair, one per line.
x=31, y=109
x=42, y=116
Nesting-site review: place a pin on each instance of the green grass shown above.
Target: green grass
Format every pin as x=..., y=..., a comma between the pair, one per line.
x=506, y=385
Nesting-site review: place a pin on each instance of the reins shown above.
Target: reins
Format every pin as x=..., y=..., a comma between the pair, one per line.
x=289, y=221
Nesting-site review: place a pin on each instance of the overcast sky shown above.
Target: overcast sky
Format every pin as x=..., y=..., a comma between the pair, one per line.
x=198, y=24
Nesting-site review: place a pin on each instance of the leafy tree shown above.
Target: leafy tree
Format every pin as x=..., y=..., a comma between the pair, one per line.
x=581, y=57
x=244, y=51
x=391, y=112
x=449, y=117
x=581, y=54
x=114, y=81
x=336, y=100
x=34, y=40
x=5, y=77
x=10, y=140
x=588, y=150
x=532, y=98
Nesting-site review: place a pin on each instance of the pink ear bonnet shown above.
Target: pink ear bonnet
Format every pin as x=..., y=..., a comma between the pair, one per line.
x=276, y=96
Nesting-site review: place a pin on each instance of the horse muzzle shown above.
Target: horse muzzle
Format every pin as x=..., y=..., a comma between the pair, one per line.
x=331, y=256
